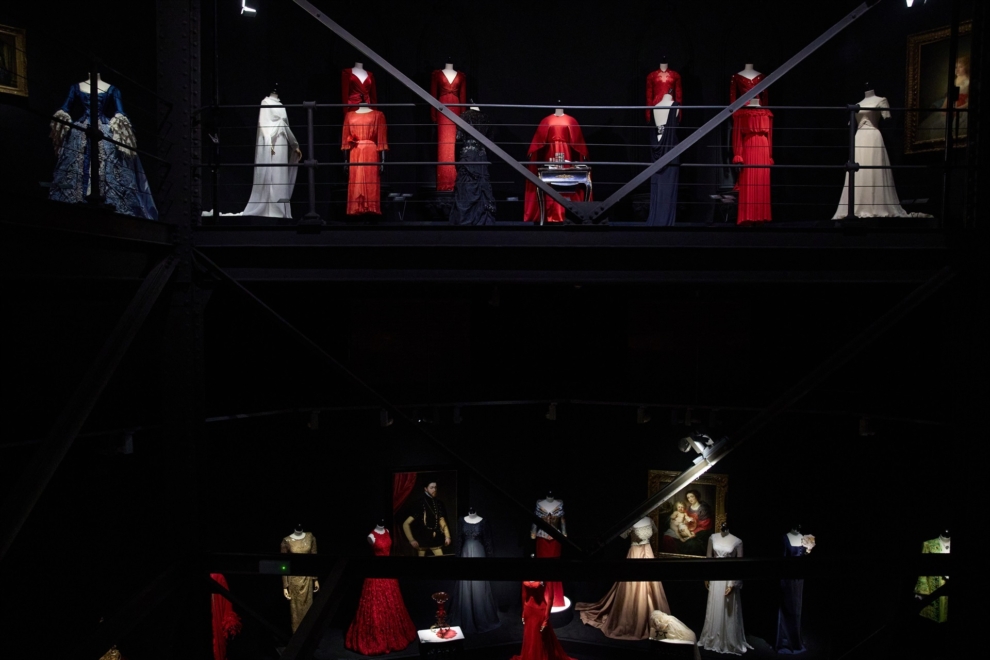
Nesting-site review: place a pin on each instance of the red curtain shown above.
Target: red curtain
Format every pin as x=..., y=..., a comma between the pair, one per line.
x=402, y=486
x=226, y=623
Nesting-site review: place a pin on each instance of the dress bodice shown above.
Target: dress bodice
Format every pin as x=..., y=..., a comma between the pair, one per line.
x=77, y=104
x=354, y=92
x=558, y=135
x=869, y=117
x=726, y=546
x=449, y=91
x=659, y=83
x=791, y=550
x=304, y=546
x=473, y=531
x=640, y=535
x=365, y=127
x=739, y=85
x=383, y=543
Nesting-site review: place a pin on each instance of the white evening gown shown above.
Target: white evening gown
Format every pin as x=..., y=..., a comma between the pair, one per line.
x=275, y=145
x=876, y=196
x=723, y=631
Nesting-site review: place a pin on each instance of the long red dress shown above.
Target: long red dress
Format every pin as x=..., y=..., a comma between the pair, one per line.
x=538, y=644
x=447, y=91
x=353, y=91
x=659, y=83
x=363, y=137
x=554, y=135
x=752, y=144
x=381, y=624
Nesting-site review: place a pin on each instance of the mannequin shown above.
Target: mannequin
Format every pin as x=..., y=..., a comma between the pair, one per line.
x=876, y=195
x=447, y=85
x=475, y=609
x=723, y=630
x=796, y=544
x=539, y=641
x=100, y=85
x=275, y=145
x=357, y=85
x=660, y=82
x=752, y=144
x=663, y=184
x=299, y=590
x=551, y=510
x=625, y=611
x=364, y=143
x=474, y=201
x=558, y=136
x=938, y=610
x=381, y=623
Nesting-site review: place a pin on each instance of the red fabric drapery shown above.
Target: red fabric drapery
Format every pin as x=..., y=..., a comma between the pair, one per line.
x=226, y=623
x=402, y=485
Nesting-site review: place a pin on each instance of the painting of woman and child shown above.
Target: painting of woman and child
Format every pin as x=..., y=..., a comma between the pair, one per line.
x=690, y=517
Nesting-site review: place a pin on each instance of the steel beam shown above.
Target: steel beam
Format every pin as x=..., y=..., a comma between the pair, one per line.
x=715, y=121
x=374, y=395
x=784, y=401
x=440, y=107
x=49, y=455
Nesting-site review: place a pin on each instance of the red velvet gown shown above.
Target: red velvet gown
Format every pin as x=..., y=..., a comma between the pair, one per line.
x=381, y=624
x=446, y=91
x=537, y=644
x=752, y=144
x=353, y=91
x=554, y=135
x=363, y=137
x=659, y=83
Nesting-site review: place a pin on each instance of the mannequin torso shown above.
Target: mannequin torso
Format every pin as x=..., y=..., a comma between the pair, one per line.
x=102, y=86
x=750, y=73
x=473, y=518
x=794, y=538
x=359, y=72
x=449, y=72
x=660, y=116
x=377, y=530
x=363, y=109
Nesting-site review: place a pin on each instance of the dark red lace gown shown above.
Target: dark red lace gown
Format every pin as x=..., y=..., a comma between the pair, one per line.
x=752, y=144
x=538, y=644
x=447, y=91
x=353, y=91
x=381, y=624
x=659, y=83
x=554, y=135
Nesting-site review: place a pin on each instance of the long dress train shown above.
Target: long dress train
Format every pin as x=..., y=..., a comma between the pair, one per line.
x=381, y=623
x=624, y=612
x=474, y=202
x=539, y=640
x=723, y=631
x=663, y=184
x=752, y=144
x=275, y=147
x=475, y=607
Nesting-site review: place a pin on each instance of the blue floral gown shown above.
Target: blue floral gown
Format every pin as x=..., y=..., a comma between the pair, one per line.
x=122, y=179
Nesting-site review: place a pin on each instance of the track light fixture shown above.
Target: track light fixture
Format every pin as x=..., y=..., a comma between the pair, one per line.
x=247, y=10
x=700, y=443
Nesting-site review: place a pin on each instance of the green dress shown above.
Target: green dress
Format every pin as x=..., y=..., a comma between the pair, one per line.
x=927, y=584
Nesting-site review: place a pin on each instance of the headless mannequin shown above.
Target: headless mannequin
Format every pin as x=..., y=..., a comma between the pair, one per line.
x=660, y=116
x=449, y=72
x=298, y=534
x=870, y=99
x=550, y=504
x=274, y=97
x=101, y=86
x=472, y=517
x=750, y=73
x=663, y=66
x=559, y=112
x=379, y=530
x=358, y=70
x=794, y=536
x=724, y=531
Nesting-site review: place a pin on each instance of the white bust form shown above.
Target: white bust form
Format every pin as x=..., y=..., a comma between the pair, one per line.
x=660, y=116
x=449, y=72
x=473, y=518
x=663, y=66
x=750, y=73
x=944, y=540
x=102, y=86
x=549, y=503
x=363, y=108
x=358, y=70
x=379, y=529
x=794, y=537
x=297, y=535
x=559, y=112
x=870, y=99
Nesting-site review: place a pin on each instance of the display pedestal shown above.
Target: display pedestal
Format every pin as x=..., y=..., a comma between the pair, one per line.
x=561, y=616
x=673, y=648
x=431, y=646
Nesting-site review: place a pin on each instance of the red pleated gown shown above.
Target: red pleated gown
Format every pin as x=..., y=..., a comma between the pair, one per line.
x=752, y=144
x=554, y=135
x=447, y=91
x=363, y=137
x=382, y=623
x=538, y=644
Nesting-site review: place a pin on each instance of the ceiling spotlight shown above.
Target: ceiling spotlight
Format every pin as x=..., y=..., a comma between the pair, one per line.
x=552, y=412
x=251, y=12
x=384, y=418
x=699, y=442
x=642, y=417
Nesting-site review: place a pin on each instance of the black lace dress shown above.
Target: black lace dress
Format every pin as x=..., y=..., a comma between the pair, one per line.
x=475, y=608
x=474, y=203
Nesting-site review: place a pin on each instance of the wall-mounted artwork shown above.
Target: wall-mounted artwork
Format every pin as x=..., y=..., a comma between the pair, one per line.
x=686, y=520
x=13, y=61
x=927, y=83
x=424, y=509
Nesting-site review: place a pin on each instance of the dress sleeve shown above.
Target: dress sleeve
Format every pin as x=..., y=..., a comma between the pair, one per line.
x=738, y=550
x=486, y=538
x=547, y=607
x=312, y=548
x=523, y=596
x=883, y=104
x=382, y=133
x=678, y=93
x=345, y=138
x=649, y=95
x=577, y=141
x=118, y=102
x=433, y=93
x=291, y=137
x=285, y=578
x=770, y=138
x=923, y=586
x=539, y=139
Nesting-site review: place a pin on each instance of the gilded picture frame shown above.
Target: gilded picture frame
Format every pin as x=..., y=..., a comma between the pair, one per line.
x=927, y=81
x=13, y=61
x=687, y=535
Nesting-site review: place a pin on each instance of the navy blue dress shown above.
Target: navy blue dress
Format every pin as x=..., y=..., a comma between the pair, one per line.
x=789, y=619
x=122, y=180
x=663, y=184
x=475, y=608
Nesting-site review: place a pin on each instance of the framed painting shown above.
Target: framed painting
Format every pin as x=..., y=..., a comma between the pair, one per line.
x=686, y=520
x=13, y=61
x=424, y=512
x=927, y=83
